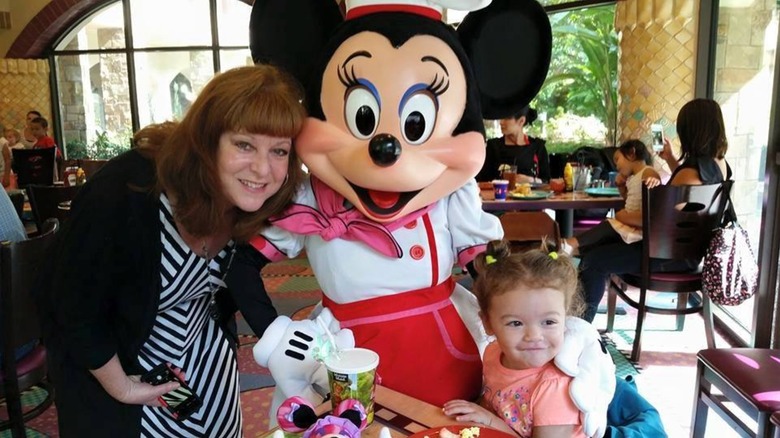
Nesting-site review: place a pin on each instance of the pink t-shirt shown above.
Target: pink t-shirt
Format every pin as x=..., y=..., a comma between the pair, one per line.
x=528, y=398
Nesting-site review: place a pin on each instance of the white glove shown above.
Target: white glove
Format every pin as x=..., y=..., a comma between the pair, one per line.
x=287, y=349
x=583, y=357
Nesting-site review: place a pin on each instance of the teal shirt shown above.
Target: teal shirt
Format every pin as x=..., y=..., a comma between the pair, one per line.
x=11, y=227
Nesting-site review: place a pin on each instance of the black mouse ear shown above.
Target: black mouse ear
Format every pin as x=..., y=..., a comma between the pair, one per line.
x=509, y=44
x=291, y=33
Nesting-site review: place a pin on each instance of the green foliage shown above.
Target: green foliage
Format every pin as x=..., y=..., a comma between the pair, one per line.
x=105, y=146
x=583, y=71
x=76, y=149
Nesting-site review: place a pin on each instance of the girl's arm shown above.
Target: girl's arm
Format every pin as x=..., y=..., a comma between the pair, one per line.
x=6, y=177
x=473, y=413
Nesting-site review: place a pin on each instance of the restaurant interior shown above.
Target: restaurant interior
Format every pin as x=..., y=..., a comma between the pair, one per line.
x=99, y=70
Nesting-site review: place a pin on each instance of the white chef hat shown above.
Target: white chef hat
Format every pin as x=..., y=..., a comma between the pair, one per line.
x=429, y=8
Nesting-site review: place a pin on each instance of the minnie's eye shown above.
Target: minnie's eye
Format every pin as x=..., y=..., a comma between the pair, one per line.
x=418, y=117
x=361, y=111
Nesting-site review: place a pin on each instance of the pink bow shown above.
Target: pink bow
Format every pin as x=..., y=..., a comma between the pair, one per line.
x=333, y=220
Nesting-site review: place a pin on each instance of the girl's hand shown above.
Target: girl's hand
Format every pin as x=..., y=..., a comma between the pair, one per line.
x=465, y=411
x=652, y=181
x=620, y=180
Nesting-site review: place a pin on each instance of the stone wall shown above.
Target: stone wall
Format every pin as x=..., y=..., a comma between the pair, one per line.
x=24, y=86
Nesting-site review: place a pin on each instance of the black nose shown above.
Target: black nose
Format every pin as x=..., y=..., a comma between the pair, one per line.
x=384, y=149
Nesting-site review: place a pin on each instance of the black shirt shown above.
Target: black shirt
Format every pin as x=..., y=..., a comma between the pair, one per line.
x=530, y=159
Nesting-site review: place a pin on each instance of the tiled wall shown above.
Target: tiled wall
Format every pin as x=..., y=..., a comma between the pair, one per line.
x=657, y=63
x=24, y=86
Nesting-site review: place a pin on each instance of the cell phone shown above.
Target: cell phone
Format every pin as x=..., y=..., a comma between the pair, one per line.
x=181, y=402
x=658, y=137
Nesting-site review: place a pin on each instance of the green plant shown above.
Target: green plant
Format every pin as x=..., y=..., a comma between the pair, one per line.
x=76, y=149
x=104, y=148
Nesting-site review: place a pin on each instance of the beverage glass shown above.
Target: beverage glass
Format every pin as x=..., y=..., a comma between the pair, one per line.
x=510, y=174
x=352, y=375
x=500, y=187
x=557, y=185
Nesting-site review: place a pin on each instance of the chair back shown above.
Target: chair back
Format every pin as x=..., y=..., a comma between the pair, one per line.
x=678, y=220
x=34, y=166
x=20, y=268
x=91, y=166
x=525, y=229
x=45, y=201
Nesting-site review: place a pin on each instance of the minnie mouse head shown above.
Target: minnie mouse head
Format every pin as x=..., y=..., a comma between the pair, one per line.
x=297, y=415
x=398, y=97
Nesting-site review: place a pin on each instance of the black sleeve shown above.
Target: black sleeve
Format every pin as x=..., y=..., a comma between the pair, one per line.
x=489, y=170
x=247, y=289
x=544, y=161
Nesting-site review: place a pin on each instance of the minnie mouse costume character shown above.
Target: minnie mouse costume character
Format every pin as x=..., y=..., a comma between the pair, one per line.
x=397, y=100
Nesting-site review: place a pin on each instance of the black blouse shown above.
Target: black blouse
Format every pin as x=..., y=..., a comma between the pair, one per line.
x=531, y=159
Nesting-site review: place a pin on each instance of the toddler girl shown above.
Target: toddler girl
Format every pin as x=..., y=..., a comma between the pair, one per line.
x=631, y=160
x=524, y=299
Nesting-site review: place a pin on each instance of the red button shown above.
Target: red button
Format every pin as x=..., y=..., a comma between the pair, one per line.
x=411, y=225
x=417, y=252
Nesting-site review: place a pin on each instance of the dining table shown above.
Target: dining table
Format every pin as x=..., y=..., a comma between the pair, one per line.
x=563, y=203
x=403, y=415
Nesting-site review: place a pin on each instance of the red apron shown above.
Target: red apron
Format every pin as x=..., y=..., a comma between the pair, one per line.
x=425, y=350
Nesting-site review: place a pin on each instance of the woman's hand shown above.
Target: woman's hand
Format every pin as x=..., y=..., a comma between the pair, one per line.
x=521, y=178
x=668, y=155
x=471, y=412
x=130, y=389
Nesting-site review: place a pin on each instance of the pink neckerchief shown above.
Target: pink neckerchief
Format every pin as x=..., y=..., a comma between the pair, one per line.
x=333, y=220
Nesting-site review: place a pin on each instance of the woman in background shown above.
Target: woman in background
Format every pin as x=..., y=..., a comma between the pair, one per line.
x=516, y=148
x=702, y=161
x=140, y=266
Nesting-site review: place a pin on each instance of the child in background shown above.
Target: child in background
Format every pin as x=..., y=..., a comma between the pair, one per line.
x=14, y=138
x=524, y=299
x=39, y=127
x=631, y=159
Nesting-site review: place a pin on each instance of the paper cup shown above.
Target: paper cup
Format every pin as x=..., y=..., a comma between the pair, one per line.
x=500, y=187
x=352, y=375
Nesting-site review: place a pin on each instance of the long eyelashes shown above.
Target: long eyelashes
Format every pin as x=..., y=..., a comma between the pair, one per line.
x=438, y=87
x=347, y=77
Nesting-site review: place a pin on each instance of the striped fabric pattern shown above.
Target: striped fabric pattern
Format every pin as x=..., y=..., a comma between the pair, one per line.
x=185, y=335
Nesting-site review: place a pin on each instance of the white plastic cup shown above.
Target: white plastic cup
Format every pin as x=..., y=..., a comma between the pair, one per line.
x=352, y=375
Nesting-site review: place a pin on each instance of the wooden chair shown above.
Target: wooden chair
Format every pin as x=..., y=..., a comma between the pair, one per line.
x=20, y=264
x=677, y=224
x=525, y=229
x=45, y=202
x=91, y=166
x=746, y=379
x=34, y=166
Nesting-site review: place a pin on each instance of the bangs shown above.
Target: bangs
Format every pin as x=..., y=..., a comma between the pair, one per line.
x=266, y=113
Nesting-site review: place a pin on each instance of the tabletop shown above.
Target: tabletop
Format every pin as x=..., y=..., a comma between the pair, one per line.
x=557, y=201
x=403, y=415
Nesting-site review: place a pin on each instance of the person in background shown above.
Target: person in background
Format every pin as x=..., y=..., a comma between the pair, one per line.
x=524, y=299
x=138, y=272
x=632, y=159
x=28, y=139
x=702, y=161
x=40, y=130
x=516, y=148
x=11, y=141
x=13, y=138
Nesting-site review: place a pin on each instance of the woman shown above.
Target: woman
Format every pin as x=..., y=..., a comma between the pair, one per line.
x=515, y=148
x=139, y=266
x=703, y=146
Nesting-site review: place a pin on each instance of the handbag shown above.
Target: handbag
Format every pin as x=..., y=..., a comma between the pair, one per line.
x=729, y=271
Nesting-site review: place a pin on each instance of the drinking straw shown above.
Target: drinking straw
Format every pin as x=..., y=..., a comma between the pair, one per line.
x=331, y=339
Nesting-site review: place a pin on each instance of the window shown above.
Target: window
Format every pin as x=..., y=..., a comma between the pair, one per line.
x=114, y=77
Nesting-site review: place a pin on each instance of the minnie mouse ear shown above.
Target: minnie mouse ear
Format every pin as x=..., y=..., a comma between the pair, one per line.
x=291, y=33
x=509, y=44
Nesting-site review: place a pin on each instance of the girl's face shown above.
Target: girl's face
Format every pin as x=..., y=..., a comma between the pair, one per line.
x=12, y=138
x=528, y=325
x=624, y=165
x=252, y=167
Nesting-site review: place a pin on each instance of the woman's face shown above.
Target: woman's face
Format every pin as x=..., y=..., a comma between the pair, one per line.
x=252, y=167
x=512, y=126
